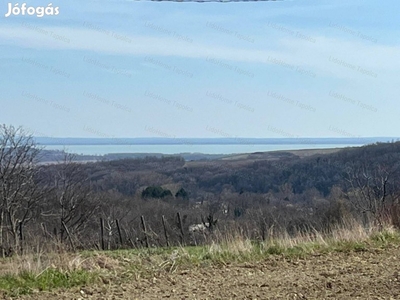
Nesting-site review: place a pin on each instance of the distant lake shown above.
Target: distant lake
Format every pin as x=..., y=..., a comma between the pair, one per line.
x=185, y=148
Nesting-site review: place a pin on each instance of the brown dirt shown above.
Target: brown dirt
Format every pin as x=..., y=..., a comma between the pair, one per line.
x=374, y=274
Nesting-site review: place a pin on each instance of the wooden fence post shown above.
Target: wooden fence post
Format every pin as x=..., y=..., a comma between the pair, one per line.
x=21, y=237
x=119, y=232
x=181, y=228
x=102, y=233
x=3, y=254
x=145, y=231
x=165, y=230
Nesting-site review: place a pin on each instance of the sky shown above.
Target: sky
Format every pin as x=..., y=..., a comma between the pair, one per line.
x=124, y=69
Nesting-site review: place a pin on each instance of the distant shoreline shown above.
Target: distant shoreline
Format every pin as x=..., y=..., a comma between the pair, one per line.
x=54, y=141
x=211, y=152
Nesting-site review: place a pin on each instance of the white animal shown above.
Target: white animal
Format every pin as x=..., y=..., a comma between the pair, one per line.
x=198, y=228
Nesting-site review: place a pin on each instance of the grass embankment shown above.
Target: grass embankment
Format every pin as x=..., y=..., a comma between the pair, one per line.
x=43, y=272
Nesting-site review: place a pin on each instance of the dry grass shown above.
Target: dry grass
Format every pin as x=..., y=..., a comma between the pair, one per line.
x=46, y=271
x=349, y=235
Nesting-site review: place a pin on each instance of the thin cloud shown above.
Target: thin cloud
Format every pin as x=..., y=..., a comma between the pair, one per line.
x=327, y=56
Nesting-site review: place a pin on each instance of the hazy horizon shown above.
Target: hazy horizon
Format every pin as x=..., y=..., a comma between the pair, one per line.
x=208, y=141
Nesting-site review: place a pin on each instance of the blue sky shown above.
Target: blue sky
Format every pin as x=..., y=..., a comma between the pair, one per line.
x=310, y=68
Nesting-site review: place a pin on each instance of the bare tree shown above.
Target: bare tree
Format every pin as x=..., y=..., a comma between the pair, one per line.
x=371, y=190
x=20, y=191
x=70, y=202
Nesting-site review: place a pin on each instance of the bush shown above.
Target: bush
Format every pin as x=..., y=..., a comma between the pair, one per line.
x=182, y=194
x=156, y=192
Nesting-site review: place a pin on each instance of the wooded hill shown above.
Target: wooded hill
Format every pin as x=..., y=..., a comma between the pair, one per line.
x=294, y=172
x=167, y=200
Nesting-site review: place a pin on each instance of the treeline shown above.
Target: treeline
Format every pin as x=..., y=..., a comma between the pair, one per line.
x=318, y=172
x=168, y=201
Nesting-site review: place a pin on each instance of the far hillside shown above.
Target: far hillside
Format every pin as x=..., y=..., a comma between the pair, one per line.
x=169, y=200
x=294, y=172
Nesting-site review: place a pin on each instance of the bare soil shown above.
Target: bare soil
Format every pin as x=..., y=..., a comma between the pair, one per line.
x=372, y=274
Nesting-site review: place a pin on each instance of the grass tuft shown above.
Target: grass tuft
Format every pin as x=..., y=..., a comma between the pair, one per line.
x=27, y=282
x=44, y=272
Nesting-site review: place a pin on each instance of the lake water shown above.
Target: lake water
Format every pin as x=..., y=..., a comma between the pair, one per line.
x=186, y=148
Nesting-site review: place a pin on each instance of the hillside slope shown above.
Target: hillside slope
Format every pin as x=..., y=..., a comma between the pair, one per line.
x=369, y=274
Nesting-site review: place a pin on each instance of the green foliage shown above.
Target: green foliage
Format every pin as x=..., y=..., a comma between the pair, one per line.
x=182, y=194
x=275, y=250
x=156, y=192
x=386, y=237
x=348, y=246
x=27, y=282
